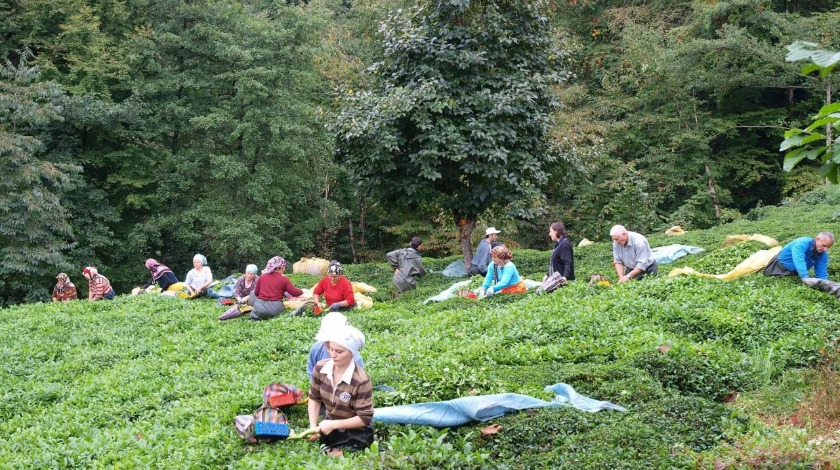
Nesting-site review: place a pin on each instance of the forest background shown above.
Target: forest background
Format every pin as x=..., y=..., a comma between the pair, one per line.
x=132, y=129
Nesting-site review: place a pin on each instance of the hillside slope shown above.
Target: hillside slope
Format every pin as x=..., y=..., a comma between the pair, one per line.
x=148, y=381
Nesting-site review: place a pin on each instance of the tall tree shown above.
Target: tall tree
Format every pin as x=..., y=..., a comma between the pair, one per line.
x=459, y=111
x=35, y=233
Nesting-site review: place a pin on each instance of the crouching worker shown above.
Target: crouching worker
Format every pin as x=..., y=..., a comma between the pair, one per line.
x=162, y=275
x=502, y=276
x=336, y=289
x=270, y=290
x=345, y=390
x=64, y=290
x=408, y=266
x=99, y=287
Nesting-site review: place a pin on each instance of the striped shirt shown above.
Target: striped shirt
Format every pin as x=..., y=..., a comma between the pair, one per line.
x=346, y=400
x=99, y=286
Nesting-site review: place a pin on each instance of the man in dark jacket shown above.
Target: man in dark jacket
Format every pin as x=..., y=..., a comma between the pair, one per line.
x=408, y=266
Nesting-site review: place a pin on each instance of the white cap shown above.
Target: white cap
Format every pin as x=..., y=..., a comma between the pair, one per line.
x=330, y=322
x=491, y=231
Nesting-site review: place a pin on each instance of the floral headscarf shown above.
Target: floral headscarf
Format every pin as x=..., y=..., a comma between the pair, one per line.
x=274, y=264
x=335, y=268
x=502, y=252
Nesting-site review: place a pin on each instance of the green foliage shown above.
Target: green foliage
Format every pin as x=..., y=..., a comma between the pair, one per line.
x=151, y=381
x=459, y=110
x=35, y=230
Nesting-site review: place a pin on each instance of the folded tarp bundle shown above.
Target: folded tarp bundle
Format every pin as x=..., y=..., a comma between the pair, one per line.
x=756, y=237
x=756, y=262
x=670, y=253
x=460, y=411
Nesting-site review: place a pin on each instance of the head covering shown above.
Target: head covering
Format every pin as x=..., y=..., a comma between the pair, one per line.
x=502, y=252
x=157, y=269
x=330, y=322
x=200, y=257
x=346, y=336
x=90, y=270
x=62, y=276
x=252, y=268
x=335, y=268
x=491, y=231
x=274, y=264
x=151, y=263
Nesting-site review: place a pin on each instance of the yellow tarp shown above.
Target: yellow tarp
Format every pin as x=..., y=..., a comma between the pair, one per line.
x=754, y=263
x=757, y=237
x=362, y=301
x=674, y=231
x=314, y=266
x=363, y=288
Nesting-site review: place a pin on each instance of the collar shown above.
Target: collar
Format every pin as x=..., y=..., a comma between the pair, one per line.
x=347, y=377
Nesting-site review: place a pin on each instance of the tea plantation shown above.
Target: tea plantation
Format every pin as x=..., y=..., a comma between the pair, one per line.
x=151, y=382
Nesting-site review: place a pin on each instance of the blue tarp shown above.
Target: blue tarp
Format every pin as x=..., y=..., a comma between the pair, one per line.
x=460, y=411
x=670, y=253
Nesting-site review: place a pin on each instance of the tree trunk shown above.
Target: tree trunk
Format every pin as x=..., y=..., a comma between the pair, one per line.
x=712, y=190
x=827, y=126
x=352, y=240
x=362, y=211
x=466, y=225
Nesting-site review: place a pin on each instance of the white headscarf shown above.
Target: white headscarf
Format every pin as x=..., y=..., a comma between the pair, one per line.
x=330, y=322
x=348, y=337
x=201, y=258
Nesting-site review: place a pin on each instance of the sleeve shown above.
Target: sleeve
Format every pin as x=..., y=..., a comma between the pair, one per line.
x=394, y=259
x=291, y=288
x=482, y=254
x=644, y=255
x=821, y=267
x=257, y=287
x=71, y=293
x=313, y=359
x=190, y=277
x=319, y=288
x=555, y=262
x=421, y=271
x=488, y=278
x=508, y=278
x=209, y=274
x=797, y=253
x=55, y=293
x=315, y=386
x=567, y=258
x=237, y=289
x=347, y=290
x=617, y=254
x=363, y=403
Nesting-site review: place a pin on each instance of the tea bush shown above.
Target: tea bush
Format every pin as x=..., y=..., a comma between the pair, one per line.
x=155, y=382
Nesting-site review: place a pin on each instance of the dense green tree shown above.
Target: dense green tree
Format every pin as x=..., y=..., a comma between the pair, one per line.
x=459, y=111
x=242, y=165
x=35, y=232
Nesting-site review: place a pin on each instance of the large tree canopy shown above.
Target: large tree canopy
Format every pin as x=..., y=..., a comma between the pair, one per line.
x=461, y=110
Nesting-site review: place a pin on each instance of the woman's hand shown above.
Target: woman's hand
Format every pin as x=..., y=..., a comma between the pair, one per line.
x=327, y=426
x=315, y=434
x=336, y=306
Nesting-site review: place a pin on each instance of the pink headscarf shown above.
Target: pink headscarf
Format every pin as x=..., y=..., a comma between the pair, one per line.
x=274, y=264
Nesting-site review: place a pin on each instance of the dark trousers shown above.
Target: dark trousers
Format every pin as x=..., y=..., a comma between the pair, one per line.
x=776, y=269
x=350, y=439
x=652, y=271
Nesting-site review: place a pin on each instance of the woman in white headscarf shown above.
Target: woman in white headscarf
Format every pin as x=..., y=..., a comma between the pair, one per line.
x=345, y=390
x=199, y=278
x=318, y=352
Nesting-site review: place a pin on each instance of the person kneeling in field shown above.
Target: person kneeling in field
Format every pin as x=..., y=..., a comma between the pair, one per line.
x=269, y=292
x=99, y=287
x=800, y=256
x=162, y=275
x=345, y=390
x=336, y=289
x=64, y=290
x=502, y=276
x=408, y=266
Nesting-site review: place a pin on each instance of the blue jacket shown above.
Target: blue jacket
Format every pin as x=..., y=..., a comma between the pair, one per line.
x=508, y=276
x=481, y=259
x=801, y=255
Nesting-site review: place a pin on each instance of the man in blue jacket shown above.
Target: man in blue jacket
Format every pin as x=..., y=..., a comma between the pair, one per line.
x=801, y=255
x=481, y=259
